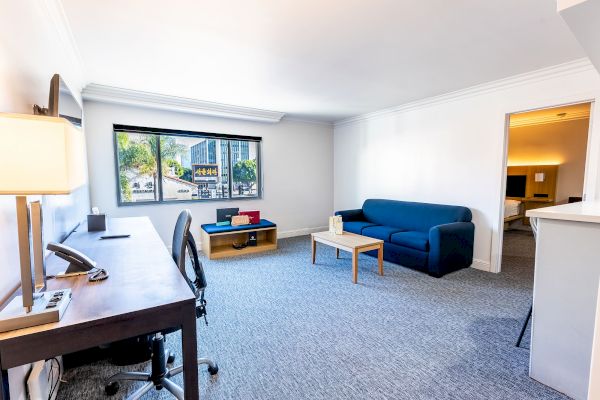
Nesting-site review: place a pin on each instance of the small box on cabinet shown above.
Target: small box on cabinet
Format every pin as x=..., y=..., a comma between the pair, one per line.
x=254, y=215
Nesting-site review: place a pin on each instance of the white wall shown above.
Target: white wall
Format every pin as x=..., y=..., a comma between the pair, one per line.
x=296, y=162
x=563, y=142
x=31, y=51
x=450, y=149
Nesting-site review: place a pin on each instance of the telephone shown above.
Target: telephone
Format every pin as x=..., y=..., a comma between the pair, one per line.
x=79, y=263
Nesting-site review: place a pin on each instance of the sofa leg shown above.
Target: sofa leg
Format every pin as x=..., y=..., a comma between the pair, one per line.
x=435, y=274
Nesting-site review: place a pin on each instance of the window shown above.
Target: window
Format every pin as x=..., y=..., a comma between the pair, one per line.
x=193, y=166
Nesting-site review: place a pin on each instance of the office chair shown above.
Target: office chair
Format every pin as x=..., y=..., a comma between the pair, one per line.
x=160, y=374
x=534, y=228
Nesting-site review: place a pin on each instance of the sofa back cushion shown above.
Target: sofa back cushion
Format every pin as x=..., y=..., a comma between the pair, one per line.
x=413, y=216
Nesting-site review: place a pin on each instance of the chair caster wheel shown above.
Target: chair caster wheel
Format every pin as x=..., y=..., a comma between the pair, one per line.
x=213, y=371
x=171, y=358
x=112, y=388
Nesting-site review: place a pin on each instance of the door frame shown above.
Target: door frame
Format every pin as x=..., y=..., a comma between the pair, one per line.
x=590, y=176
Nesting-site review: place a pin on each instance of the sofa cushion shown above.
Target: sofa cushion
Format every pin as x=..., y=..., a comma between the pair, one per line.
x=413, y=216
x=357, y=226
x=380, y=232
x=413, y=239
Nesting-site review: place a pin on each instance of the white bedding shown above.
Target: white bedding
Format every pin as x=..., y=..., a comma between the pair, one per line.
x=511, y=208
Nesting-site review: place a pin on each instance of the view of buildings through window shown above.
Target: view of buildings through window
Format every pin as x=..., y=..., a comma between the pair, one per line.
x=192, y=167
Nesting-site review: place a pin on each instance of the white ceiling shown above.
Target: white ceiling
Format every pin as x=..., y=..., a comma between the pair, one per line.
x=321, y=60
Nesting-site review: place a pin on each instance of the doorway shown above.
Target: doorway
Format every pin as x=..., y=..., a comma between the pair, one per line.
x=546, y=160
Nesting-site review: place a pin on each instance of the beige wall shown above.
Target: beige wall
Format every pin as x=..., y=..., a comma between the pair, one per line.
x=563, y=143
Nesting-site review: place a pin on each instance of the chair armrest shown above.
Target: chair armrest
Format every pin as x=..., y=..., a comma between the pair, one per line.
x=351, y=215
x=451, y=247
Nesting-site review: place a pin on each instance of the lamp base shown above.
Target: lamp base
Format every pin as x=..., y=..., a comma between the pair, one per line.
x=47, y=307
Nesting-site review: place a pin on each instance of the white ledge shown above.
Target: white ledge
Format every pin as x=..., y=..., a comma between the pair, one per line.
x=587, y=211
x=109, y=94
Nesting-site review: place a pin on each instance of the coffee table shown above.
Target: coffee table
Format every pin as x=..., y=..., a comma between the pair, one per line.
x=350, y=242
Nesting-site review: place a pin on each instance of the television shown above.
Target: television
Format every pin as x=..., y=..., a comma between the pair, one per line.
x=62, y=103
x=515, y=185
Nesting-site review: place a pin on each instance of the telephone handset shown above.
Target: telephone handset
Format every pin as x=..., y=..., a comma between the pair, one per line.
x=79, y=263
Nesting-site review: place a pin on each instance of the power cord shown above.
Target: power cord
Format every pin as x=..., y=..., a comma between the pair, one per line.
x=51, y=377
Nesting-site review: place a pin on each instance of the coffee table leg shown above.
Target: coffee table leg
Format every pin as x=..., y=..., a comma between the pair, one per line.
x=354, y=266
x=337, y=253
x=314, y=249
x=380, y=258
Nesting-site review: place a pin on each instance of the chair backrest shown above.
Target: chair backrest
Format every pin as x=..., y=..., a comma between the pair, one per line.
x=180, y=238
x=182, y=241
x=199, y=283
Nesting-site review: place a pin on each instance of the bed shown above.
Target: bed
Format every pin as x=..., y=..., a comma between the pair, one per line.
x=513, y=210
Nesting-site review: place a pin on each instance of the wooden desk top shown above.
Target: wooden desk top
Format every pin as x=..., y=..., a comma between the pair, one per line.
x=143, y=276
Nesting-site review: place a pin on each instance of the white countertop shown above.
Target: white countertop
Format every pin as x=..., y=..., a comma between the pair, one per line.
x=587, y=211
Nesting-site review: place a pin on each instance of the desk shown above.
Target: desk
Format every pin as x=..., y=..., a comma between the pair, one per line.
x=144, y=293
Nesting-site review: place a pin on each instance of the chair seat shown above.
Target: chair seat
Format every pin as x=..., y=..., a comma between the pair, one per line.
x=381, y=232
x=357, y=226
x=413, y=239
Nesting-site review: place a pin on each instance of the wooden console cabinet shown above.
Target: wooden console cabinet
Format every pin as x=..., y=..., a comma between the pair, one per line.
x=220, y=245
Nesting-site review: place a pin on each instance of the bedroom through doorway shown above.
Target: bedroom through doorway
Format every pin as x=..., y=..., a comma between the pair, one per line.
x=546, y=160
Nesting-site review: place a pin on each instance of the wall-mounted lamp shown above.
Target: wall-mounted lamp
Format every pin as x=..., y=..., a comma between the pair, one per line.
x=540, y=176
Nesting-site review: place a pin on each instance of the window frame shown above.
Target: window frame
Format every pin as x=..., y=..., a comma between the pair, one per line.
x=185, y=133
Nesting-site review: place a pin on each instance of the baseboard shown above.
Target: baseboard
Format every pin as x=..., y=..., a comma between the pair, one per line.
x=301, y=232
x=481, y=265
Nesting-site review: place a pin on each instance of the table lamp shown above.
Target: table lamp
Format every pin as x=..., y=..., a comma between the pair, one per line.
x=39, y=155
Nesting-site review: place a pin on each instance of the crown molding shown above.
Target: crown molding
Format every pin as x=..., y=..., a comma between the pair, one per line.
x=548, y=119
x=55, y=10
x=580, y=65
x=114, y=95
x=308, y=121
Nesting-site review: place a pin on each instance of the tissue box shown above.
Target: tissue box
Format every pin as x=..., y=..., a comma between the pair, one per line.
x=254, y=215
x=96, y=222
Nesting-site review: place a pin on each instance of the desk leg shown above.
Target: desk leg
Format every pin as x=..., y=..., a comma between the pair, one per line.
x=337, y=253
x=314, y=249
x=190, y=354
x=354, y=265
x=380, y=258
x=4, y=389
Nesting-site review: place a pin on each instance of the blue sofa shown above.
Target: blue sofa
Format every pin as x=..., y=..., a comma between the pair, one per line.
x=433, y=238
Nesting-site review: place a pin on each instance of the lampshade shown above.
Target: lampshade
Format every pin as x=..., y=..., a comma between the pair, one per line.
x=40, y=155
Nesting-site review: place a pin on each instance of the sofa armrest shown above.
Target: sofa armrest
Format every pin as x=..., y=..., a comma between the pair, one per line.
x=351, y=215
x=451, y=247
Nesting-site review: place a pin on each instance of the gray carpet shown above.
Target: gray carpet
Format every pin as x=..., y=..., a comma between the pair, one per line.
x=281, y=328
